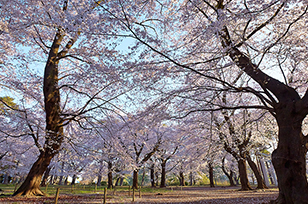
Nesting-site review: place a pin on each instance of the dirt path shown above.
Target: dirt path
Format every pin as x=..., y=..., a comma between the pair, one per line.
x=217, y=195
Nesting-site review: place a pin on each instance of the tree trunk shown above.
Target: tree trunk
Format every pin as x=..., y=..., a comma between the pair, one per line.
x=117, y=182
x=45, y=177
x=270, y=173
x=256, y=172
x=163, y=175
x=61, y=177
x=109, y=181
x=182, y=179
x=61, y=180
x=191, y=179
x=66, y=180
x=99, y=180
x=5, y=178
x=143, y=177
x=54, y=129
x=152, y=176
x=74, y=179
x=289, y=160
x=121, y=181
x=33, y=180
x=51, y=180
x=289, y=109
x=245, y=186
x=230, y=176
x=135, y=179
x=211, y=175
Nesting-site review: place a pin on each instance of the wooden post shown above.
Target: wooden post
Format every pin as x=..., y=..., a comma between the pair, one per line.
x=57, y=196
x=128, y=190
x=105, y=195
x=139, y=191
x=133, y=194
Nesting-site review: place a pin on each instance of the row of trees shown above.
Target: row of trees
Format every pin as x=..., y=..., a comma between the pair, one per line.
x=123, y=145
x=193, y=63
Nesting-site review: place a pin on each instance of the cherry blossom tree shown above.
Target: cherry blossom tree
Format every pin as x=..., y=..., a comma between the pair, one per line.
x=141, y=141
x=263, y=39
x=69, y=36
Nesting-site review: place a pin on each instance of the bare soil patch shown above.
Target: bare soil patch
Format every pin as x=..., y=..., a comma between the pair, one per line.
x=217, y=195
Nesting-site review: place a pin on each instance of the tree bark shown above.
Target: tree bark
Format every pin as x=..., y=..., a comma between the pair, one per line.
x=245, y=186
x=33, y=180
x=143, y=177
x=256, y=172
x=51, y=180
x=211, y=175
x=74, y=179
x=62, y=176
x=5, y=178
x=99, y=180
x=117, y=182
x=182, y=179
x=289, y=160
x=66, y=180
x=152, y=176
x=121, y=181
x=163, y=174
x=230, y=176
x=45, y=177
x=109, y=182
x=135, y=179
x=60, y=180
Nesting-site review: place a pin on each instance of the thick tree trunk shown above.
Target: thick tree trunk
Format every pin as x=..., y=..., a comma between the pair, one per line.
x=54, y=129
x=163, y=175
x=33, y=180
x=211, y=175
x=254, y=168
x=245, y=186
x=182, y=179
x=289, y=160
x=135, y=179
x=152, y=176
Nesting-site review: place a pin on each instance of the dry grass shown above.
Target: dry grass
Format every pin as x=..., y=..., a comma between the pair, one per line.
x=219, y=195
